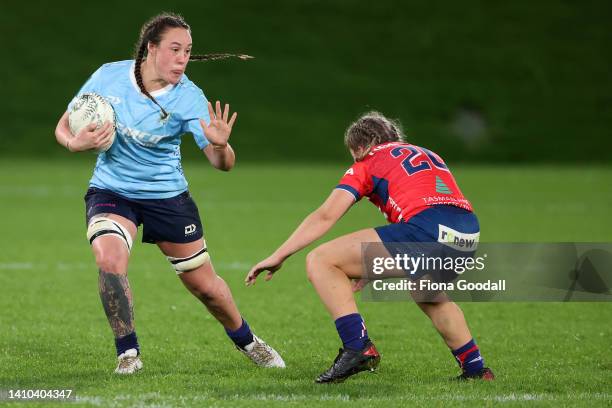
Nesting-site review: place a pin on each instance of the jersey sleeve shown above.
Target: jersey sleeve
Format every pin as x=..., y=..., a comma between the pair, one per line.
x=356, y=181
x=92, y=84
x=197, y=109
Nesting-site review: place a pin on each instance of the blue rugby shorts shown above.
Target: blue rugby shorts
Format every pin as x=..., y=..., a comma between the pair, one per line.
x=438, y=231
x=174, y=219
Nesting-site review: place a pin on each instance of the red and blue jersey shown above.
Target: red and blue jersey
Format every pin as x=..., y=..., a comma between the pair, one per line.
x=402, y=180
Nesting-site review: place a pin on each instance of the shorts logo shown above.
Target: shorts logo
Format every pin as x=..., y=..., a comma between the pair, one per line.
x=457, y=240
x=190, y=229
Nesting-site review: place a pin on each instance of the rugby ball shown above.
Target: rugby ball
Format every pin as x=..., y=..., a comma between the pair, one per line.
x=92, y=108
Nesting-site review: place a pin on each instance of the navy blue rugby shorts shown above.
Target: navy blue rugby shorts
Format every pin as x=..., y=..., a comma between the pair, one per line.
x=439, y=231
x=174, y=219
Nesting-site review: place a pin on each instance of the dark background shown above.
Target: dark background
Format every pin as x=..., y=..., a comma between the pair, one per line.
x=476, y=81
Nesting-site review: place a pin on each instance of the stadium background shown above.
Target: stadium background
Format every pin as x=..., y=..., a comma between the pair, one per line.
x=516, y=96
x=475, y=81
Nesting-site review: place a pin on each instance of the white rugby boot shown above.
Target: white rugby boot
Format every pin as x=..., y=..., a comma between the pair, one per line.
x=262, y=354
x=129, y=362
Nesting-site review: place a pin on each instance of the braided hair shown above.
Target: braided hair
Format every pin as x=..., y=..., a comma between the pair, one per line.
x=372, y=129
x=151, y=32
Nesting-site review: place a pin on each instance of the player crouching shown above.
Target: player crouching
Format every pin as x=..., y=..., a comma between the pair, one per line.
x=416, y=191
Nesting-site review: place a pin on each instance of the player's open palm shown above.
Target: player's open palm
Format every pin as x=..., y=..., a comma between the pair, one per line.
x=270, y=264
x=219, y=129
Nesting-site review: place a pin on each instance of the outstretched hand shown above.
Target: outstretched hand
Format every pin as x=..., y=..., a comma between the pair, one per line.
x=270, y=264
x=219, y=129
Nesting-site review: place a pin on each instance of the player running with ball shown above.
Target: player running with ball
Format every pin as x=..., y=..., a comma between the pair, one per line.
x=420, y=198
x=139, y=181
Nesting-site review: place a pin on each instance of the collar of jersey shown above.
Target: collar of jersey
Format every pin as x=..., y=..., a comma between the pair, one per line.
x=154, y=94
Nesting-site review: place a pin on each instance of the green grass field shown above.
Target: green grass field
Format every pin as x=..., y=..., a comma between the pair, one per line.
x=53, y=332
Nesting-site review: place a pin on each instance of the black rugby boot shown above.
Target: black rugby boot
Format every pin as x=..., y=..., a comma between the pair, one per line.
x=350, y=362
x=486, y=374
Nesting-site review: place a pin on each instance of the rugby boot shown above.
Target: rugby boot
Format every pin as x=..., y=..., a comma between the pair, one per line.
x=486, y=374
x=262, y=354
x=350, y=362
x=129, y=362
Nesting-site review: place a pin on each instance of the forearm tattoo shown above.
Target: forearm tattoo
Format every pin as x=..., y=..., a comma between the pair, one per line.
x=116, y=298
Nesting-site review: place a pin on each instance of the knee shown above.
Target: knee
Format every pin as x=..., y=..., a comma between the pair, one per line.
x=110, y=261
x=315, y=262
x=207, y=291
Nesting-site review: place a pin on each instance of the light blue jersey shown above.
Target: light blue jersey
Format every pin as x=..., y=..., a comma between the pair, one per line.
x=144, y=161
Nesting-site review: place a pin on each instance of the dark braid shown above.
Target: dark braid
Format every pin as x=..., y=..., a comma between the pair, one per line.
x=372, y=129
x=138, y=75
x=213, y=57
x=151, y=32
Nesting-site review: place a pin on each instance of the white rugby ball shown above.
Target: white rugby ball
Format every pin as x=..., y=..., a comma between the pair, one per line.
x=92, y=108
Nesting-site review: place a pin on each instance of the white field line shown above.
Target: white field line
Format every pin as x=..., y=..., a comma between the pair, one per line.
x=68, y=266
x=233, y=266
x=158, y=400
x=62, y=266
x=9, y=266
x=40, y=191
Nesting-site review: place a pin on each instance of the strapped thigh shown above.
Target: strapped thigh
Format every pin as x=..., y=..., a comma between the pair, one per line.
x=99, y=226
x=191, y=262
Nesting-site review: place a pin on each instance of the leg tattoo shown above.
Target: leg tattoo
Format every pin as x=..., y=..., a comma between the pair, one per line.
x=116, y=298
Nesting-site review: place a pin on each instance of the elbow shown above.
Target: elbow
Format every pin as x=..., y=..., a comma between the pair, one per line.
x=61, y=128
x=222, y=159
x=324, y=216
x=57, y=131
x=226, y=167
x=58, y=138
x=228, y=163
